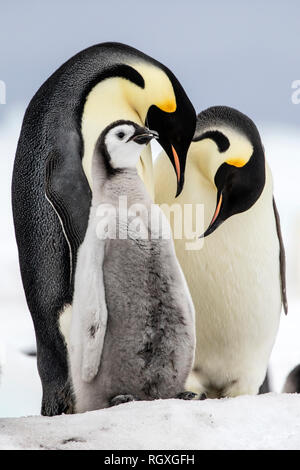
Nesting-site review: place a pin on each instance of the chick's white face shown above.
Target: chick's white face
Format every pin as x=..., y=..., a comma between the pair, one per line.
x=123, y=152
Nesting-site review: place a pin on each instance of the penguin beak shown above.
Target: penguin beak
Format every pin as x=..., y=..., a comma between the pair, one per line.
x=144, y=136
x=176, y=131
x=179, y=174
x=216, y=220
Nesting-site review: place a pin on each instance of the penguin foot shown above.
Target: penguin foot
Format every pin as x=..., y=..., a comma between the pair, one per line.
x=57, y=402
x=203, y=396
x=186, y=395
x=119, y=399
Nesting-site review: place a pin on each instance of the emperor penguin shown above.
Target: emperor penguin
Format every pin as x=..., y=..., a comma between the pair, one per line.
x=237, y=278
x=52, y=184
x=132, y=331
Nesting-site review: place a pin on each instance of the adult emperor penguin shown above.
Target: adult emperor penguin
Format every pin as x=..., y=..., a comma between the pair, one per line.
x=51, y=190
x=237, y=279
x=133, y=327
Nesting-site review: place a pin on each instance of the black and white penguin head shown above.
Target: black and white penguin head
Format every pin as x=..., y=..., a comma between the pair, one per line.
x=122, y=142
x=228, y=151
x=142, y=87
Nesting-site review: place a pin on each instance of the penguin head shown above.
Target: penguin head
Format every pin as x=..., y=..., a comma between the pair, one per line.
x=229, y=153
x=141, y=89
x=175, y=122
x=121, y=143
x=161, y=103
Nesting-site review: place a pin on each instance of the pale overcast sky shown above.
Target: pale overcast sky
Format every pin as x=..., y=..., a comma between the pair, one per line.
x=243, y=54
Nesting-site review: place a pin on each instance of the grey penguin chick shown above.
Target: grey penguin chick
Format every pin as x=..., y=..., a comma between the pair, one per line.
x=133, y=331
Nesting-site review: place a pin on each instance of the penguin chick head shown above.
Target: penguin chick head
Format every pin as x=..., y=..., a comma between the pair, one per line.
x=121, y=143
x=230, y=154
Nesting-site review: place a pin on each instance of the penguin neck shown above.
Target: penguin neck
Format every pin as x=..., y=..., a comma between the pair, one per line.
x=165, y=182
x=198, y=188
x=202, y=165
x=204, y=160
x=112, y=184
x=108, y=102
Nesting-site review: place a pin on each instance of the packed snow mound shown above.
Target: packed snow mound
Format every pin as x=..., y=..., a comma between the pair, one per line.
x=248, y=422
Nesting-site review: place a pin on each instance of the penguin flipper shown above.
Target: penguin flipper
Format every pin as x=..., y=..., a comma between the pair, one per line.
x=281, y=259
x=94, y=314
x=89, y=317
x=93, y=343
x=68, y=192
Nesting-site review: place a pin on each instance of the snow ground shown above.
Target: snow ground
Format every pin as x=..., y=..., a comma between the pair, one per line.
x=265, y=422
x=236, y=423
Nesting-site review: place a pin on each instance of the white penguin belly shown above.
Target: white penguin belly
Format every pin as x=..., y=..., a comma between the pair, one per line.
x=234, y=281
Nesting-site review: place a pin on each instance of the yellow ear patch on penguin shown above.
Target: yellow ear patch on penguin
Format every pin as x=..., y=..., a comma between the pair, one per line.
x=158, y=88
x=167, y=106
x=238, y=162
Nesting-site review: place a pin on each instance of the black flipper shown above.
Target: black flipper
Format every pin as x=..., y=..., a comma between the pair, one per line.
x=281, y=259
x=67, y=189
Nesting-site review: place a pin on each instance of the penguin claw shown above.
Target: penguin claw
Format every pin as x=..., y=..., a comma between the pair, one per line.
x=203, y=396
x=119, y=399
x=186, y=395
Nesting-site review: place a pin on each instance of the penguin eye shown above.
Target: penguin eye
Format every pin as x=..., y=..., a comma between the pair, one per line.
x=120, y=135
